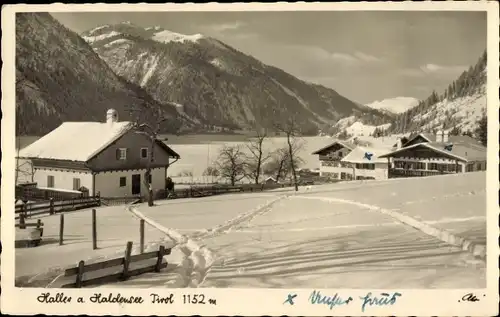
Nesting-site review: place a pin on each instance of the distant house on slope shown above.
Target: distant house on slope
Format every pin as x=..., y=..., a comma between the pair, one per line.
x=426, y=154
x=107, y=158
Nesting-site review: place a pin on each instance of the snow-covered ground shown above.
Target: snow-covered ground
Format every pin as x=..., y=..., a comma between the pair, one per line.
x=323, y=236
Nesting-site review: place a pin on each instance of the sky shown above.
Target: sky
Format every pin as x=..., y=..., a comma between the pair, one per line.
x=365, y=56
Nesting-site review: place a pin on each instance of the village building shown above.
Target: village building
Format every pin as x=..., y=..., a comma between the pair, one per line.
x=427, y=154
x=349, y=160
x=366, y=163
x=330, y=160
x=107, y=158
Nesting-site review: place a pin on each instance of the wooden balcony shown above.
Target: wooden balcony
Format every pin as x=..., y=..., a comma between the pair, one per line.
x=399, y=172
x=329, y=158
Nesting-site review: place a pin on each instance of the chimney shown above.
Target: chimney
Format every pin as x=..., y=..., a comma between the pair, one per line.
x=399, y=144
x=445, y=136
x=111, y=116
x=439, y=136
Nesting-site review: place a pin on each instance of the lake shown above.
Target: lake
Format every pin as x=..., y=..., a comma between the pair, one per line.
x=201, y=150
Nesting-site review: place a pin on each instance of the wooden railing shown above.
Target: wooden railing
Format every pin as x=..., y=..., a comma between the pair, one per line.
x=54, y=206
x=124, y=262
x=397, y=173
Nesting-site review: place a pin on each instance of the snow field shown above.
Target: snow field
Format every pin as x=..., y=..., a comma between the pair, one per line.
x=199, y=214
x=115, y=226
x=348, y=254
x=337, y=235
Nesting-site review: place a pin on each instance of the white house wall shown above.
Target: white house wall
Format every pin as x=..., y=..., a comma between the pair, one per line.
x=108, y=183
x=380, y=172
x=63, y=179
x=334, y=169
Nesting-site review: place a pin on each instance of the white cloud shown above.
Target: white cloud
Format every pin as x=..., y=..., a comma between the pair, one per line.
x=433, y=68
x=322, y=54
x=226, y=26
x=367, y=57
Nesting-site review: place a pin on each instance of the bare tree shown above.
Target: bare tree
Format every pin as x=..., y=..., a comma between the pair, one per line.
x=189, y=174
x=291, y=130
x=151, y=131
x=257, y=156
x=24, y=167
x=212, y=172
x=231, y=163
x=279, y=165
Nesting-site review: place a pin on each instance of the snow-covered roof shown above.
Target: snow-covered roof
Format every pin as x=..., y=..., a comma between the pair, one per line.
x=360, y=154
x=76, y=141
x=459, y=151
x=345, y=144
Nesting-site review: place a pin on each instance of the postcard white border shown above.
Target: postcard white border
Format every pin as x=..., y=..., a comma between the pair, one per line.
x=250, y=302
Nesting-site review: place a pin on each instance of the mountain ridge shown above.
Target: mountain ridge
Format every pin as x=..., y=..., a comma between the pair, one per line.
x=60, y=78
x=216, y=84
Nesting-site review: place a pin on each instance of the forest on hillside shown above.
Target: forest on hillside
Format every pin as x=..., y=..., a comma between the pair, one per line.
x=468, y=83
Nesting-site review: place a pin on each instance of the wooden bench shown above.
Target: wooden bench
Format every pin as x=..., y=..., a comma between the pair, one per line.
x=28, y=234
x=124, y=264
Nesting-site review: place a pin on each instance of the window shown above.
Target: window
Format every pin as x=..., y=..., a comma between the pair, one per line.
x=144, y=152
x=123, y=181
x=121, y=154
x=76, y=184
x=50, y=181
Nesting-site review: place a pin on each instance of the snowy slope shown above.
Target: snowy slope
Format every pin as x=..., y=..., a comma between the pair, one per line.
x=353, y=127
x=462, y=112
x=458, y=107
x=394, y=105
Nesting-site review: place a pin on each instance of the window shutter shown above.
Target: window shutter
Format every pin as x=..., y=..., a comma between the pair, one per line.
x=117, y=154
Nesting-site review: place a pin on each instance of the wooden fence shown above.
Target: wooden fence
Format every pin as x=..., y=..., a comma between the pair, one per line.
x=54, y=206
x=32, y=239
x=113, y=201
x=30, y=193
x=78, y=272
x=210, y=190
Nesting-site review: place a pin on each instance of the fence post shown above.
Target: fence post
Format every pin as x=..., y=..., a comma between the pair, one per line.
x=99, y=198
x=126, y=260
x=161, y=253
x=141, y=229
x=51, y=206
x=22, y=223
x=79, y=274
x=94, y=230
x=61, y=229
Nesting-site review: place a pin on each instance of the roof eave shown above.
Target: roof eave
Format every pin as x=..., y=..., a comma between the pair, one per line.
x=388, y=155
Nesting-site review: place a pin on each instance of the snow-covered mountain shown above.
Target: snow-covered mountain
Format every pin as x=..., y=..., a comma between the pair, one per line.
x=60, y=78
x=350, y=126
x=458, y=108
x=394, y=105
x=215, y=84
